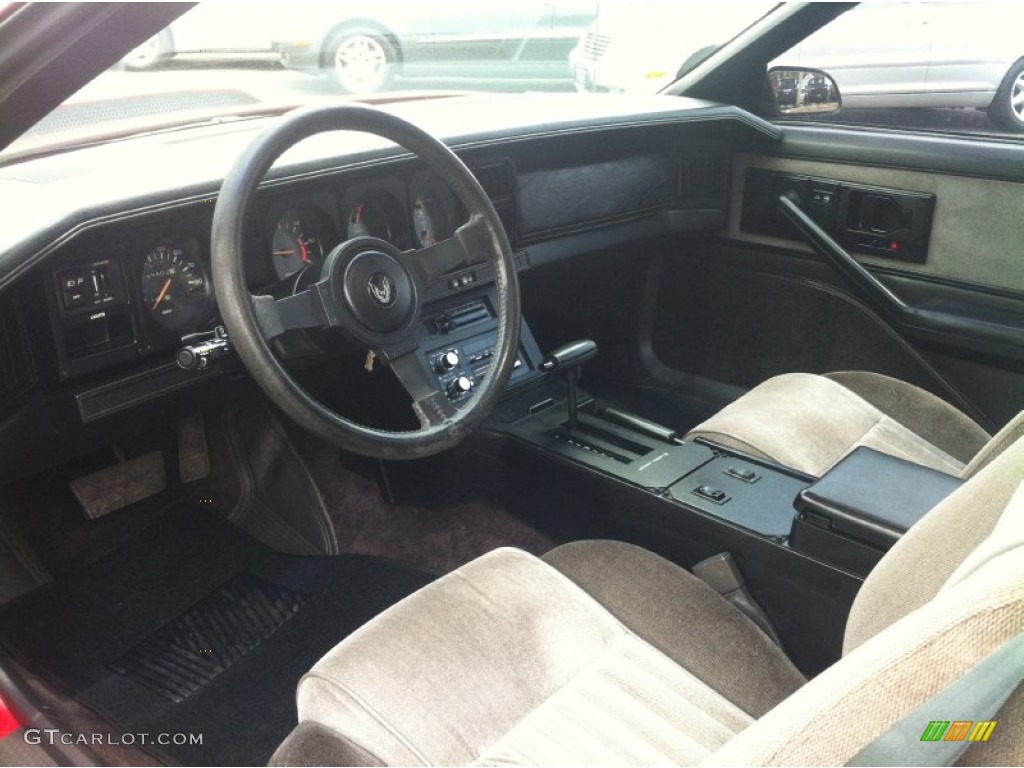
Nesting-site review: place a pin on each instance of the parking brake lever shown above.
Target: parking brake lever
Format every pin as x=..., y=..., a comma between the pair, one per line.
x=568, y=359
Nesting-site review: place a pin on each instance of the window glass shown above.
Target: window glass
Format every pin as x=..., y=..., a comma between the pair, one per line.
x=948, y=66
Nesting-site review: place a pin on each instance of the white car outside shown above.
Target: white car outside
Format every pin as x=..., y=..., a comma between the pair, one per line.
x=881, y=55
x=641, y=46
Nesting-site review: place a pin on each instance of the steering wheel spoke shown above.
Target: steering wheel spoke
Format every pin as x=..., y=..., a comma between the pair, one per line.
x=431, y=406
x=441, y=258
x=311, y=308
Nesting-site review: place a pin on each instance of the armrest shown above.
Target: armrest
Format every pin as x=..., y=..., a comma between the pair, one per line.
x=874, y=497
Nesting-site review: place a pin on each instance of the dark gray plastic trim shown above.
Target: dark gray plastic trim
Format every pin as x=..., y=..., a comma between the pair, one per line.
x=983, y=157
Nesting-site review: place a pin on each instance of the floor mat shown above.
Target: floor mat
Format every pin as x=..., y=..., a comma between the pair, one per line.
x=218, y=631
x=194, y=628
x=443, y=538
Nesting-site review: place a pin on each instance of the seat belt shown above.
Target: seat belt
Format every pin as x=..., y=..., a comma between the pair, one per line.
x=924, y=738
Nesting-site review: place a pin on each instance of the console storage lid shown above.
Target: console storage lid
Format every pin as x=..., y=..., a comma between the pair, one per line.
x=873, y=497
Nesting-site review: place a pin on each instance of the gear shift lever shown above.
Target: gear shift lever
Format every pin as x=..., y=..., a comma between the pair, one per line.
x=568, y=359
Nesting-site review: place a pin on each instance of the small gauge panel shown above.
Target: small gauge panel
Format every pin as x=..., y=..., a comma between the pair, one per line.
x=302, y=236
x=174, y=286
x=377, y=210
x=434, y=210
x=380, y=215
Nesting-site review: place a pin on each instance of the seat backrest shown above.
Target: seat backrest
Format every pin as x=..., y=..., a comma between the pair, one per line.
x=914, y=570
x=949, y=594
x=1003, y=439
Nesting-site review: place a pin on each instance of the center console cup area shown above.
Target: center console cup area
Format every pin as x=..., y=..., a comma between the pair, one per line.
x=847, y=519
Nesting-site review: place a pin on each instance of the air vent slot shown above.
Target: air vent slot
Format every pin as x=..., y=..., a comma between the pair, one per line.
x=702, y=179
x=497, y=180
x=17, y=368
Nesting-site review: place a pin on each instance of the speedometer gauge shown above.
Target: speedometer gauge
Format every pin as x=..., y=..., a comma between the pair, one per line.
x=175, y=290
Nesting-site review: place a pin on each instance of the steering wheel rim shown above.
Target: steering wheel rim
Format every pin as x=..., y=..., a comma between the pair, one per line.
x=249, y=318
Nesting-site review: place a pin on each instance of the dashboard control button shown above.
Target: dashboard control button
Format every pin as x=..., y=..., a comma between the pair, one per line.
x=460, y=386
x=447, y=361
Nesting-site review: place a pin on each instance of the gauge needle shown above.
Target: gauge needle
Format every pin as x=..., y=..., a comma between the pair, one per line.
x=163, y=292
x=284, y=253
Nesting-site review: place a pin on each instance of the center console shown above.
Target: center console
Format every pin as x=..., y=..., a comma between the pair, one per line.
x=738, y=490
x=847, y=519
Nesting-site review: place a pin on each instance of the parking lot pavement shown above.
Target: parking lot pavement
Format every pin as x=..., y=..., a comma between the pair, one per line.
x=265, y=80
x=953, y=120
x=262, y=78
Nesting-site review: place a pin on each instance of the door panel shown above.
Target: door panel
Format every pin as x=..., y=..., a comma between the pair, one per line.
x=750, y=306
x=975, y=236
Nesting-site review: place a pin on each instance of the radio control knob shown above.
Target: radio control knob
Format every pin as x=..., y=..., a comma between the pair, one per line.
x=448, y=361
x=460, y=386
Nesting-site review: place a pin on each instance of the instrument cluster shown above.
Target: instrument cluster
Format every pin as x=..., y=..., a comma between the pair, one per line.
x=416, y=214
x=149, y=287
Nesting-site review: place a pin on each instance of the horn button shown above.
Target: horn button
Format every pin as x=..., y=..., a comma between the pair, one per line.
x=379, y=292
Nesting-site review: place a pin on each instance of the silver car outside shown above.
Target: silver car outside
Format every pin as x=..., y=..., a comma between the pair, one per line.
x=881, y=55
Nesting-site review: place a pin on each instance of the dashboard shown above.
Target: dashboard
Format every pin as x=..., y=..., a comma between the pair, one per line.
x=105, y=282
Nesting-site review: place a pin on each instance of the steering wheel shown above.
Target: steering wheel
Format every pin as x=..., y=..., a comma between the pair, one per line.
x=369, y=290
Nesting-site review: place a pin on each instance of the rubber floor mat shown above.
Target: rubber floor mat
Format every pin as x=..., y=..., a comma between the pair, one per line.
x=249, y=622
x=184, y=655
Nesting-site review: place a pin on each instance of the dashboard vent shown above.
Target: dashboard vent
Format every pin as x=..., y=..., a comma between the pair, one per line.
x=702, y=179
x=497, y=181
x=17, y=368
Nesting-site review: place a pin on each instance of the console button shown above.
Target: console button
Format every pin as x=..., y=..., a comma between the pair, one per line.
x=743, y=473
x=709, y=492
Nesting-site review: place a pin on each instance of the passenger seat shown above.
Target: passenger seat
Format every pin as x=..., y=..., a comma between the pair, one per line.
x=809, y=422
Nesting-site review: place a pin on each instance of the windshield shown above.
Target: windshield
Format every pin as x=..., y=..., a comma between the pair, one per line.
x=224, y=59
x=910, y=66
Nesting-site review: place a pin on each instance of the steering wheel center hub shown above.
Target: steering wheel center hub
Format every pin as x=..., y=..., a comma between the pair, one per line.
x=378, y=291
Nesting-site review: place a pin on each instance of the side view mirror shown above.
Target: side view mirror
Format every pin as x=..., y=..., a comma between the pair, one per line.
x=799, y=91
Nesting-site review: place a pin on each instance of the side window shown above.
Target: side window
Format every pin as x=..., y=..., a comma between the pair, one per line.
x=945, y=66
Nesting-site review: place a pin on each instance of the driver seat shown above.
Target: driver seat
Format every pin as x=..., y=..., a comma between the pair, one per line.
x=602, y=653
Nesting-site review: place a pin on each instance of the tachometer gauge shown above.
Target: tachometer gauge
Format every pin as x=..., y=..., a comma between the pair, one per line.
x=175, y=289
x=298, y=241
x=433, y=211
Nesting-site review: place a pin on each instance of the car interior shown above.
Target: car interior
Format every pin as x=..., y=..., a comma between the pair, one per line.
x=507, y=428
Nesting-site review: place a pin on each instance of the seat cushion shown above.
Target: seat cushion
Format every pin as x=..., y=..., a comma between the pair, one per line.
x=507, y=660
x=809, y=422
x=684, y=618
